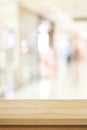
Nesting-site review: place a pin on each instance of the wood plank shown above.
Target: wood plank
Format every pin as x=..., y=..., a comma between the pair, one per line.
x=43, y=112
x=43, y=128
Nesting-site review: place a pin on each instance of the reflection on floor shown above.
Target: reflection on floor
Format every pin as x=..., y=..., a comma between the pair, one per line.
x=70, y=82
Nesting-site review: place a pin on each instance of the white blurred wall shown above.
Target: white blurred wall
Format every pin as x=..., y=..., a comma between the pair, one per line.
x=9, y=13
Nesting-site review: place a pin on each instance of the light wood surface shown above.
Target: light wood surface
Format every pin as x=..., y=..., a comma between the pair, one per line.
x=55, y=112
x=43, y=128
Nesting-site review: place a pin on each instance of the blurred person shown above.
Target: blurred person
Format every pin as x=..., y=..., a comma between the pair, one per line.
x=51, y=65
x=79, y=53
x=70, y=54
x=79, y=48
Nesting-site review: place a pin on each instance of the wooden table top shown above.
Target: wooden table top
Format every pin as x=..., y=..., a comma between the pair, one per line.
x=43, y=112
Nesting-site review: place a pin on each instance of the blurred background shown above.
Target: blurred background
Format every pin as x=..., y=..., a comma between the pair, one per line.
x=43, y=49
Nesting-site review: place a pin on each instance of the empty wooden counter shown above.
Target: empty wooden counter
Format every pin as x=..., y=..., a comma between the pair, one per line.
x=43, y=115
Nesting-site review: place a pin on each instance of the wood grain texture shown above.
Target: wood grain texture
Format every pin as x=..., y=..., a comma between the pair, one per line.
x=40, y=112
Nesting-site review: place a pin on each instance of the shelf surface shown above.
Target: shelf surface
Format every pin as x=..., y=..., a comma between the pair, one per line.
x=43, y=112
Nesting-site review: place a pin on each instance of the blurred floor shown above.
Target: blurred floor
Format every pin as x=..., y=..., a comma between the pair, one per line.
x=69, y=82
